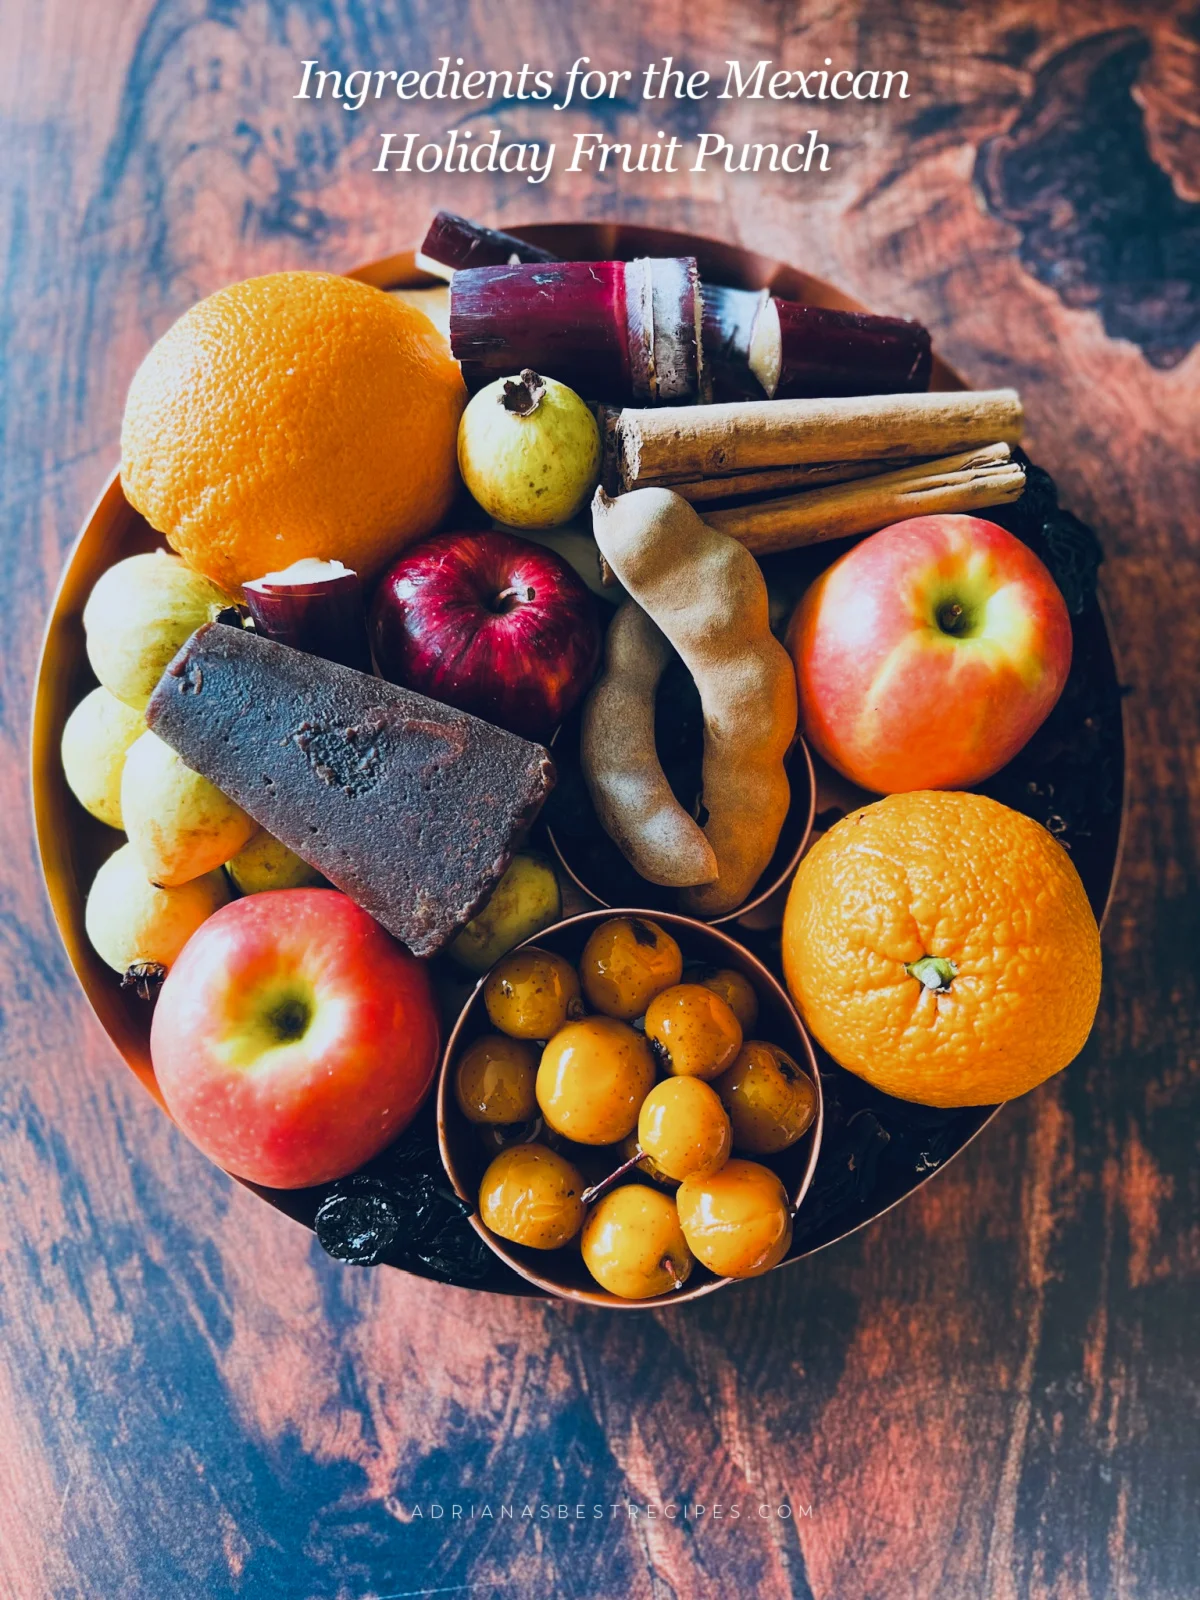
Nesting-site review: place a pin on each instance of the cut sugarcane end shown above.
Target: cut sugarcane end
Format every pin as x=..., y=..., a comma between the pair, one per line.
x=307, y=570
x=436, y=269
x=766, y=346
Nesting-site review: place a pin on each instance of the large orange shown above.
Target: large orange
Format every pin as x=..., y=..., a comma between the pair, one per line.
x=299, y=414
x=941, y=946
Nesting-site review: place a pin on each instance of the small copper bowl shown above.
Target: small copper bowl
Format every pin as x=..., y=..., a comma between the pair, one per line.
x=562, y=1272
x=597, y=867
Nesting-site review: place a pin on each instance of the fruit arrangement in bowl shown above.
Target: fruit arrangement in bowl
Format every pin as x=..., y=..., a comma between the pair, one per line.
x=418, y=619
x=632, y=1110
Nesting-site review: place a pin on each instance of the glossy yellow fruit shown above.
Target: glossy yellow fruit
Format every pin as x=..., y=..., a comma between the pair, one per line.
x=592, y=1079
x=737, y=1221
x=179, y=824
x=771, y=1101
x=684, y=1129
x=532, y=1196
x=493, y=1082
x=633, y=1245
x=733, y=987
x=626, y=962
x=694, y=1033
x=532, y=993
x=97, y=734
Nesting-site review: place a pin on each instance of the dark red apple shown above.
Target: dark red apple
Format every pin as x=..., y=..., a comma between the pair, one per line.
x=294, y=1038
x=492, y=624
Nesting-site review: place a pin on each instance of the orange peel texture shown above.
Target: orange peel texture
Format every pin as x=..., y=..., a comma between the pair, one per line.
x=299, y=414
x=942, y=947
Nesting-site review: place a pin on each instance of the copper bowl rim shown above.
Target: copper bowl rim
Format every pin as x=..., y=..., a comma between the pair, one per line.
x=696, y=929
x=799, y=752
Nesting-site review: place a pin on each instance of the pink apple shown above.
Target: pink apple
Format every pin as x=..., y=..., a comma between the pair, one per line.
x=494, y=625
x=293, y=1038
x=929, y=654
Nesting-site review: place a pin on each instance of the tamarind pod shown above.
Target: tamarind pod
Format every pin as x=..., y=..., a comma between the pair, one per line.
x=453, y=242
x=706, y=593
x=800, y=352
x=629, y=789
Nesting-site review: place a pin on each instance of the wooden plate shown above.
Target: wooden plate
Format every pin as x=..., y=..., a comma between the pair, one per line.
x=875, y=1151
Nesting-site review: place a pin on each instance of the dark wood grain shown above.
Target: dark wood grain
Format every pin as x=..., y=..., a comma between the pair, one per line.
x=992, y=1392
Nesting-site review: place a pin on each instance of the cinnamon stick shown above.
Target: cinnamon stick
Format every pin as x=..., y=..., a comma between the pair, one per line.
x=777, y=480
x=678, y=444
x=968, y=481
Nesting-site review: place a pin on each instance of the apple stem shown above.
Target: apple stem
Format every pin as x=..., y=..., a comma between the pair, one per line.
x=514, y=596
x=935, y=972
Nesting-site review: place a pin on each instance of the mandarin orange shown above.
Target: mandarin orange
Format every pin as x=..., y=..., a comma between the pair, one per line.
x=299, y=414
x=941, y=946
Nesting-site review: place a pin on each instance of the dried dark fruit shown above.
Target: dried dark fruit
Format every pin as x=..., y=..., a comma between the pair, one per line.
x=359, y=1220
x=845, y=1177
x=921, y=1137
x=444, y=1241
x=402, y=1210
x=1068, y=546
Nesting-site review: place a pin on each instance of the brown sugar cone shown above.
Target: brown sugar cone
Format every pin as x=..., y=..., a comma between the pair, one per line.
x=706, y=593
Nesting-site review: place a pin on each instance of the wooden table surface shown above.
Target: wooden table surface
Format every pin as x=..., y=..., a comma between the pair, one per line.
x=993, y=1391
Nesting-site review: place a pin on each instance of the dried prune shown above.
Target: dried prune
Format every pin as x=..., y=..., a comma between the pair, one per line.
x=922, y=1137
x=1067, y=546
x=845, y=1176
x=358, y=1220
x=401, y=1209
